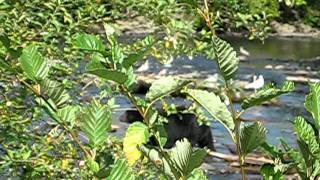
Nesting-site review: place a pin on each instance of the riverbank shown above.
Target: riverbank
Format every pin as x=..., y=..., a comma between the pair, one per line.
x=285, y=30
x=139, y=27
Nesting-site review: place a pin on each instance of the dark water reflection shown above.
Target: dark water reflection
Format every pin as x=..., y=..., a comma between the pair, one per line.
x=278, y=48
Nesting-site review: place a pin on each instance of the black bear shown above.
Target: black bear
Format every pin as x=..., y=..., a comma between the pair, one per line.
x=179, y=126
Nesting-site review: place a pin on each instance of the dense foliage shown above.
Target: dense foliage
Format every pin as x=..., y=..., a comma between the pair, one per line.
x=50, y=128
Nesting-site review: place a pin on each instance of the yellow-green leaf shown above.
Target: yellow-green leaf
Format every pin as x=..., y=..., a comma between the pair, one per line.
x=136, y=134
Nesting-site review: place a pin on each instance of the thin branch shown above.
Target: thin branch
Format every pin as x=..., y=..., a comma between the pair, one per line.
x=236, y=136
x=237, y=132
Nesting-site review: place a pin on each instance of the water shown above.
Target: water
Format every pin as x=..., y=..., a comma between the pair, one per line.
x=275, y=117
x=278, y=48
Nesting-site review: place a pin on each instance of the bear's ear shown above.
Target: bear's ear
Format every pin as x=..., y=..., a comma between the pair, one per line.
x=130, y=116
x=189, y=116
x=182, y=107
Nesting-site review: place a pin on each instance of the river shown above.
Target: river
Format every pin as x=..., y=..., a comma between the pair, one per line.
x=277, y=59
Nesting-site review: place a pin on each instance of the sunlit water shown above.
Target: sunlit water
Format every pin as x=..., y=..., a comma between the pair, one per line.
x=278, y=48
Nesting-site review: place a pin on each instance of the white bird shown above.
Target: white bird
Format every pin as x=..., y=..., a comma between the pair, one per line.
x=256, y=84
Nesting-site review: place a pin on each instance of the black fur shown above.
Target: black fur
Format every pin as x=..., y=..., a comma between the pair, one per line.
x=179, y=126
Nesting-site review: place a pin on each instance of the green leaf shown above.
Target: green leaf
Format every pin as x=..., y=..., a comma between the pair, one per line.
x=164, y=86
x=89, y=43
x=54, y=91
x=134, y=57
x=4, y=65
x=121, y=171
x=197, y=174
x=96, y=121
x=33, y=64
x=217, y=109
x=152, y=115
x=137, y=134
x=185, y=159
x=296, y=158
x=5, y=41
x=312, y=103
x=158, y=160
x=69, y=114
x=98, y=57
x=196, y=159
x=161, y=134
x=267, y=93
x=117, y=54
x=306, y=134
x=306, y=154
x=131, y=59
x=316, y=169
x=116, y=51
x=49, y=107
x=272, y=150
x=291, y=152
x=96, y=68
x=226, y=57
x=93, y=165
x=252, y=136
x=131, y=77
x=271, y=172
x=15, y=53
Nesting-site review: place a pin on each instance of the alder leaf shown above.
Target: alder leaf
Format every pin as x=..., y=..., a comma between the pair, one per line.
x=137, y=134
